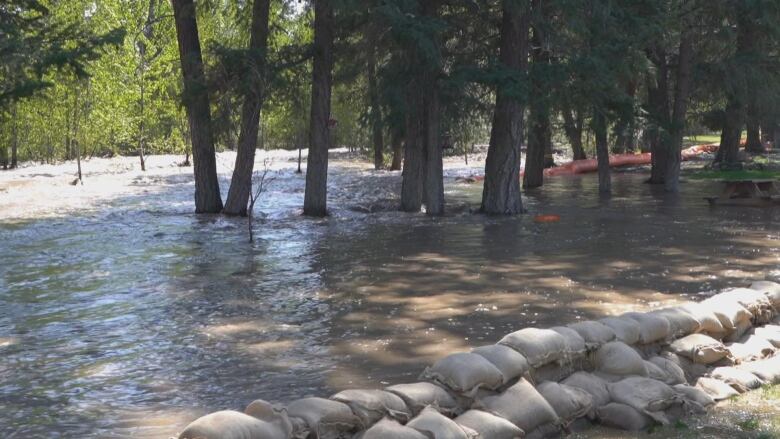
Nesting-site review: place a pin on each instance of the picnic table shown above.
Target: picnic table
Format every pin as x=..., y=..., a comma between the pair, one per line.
x=749, y=192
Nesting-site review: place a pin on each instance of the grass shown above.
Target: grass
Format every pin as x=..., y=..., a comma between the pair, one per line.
x=701, y=139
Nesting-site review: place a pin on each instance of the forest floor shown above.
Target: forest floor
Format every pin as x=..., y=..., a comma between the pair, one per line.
x=122, y=314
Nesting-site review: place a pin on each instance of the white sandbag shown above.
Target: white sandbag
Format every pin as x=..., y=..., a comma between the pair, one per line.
x=538, y=346
x=740, y=379
x=673, y=372
x=681, y=322
x=371, y=405
x=709, y=323
x=770, y=289
x=617, y=358
x=595, y=334
x=646, y=395
x=417, y=396
x=489, y=426
x=656, y=373
x=699, y=348
x=390, y=429
x=595, y=386
x=229, y=424
x=767, y=370
x=437, y=426
x=692, y=370
x=735, y=334
x=751, y=348
x=771, y=333
x=623, y=417
x=464, y=373
x=625, y=329
x=652, y=327
x=695, y=394
x=718, y=390
x=575, y=345
x=754, y=301
x=509, y=362
x=522, y=405
x=569, y=403
x=730, y=312
x=326, y=418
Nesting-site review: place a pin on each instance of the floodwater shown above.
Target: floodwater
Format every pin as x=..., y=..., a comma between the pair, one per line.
x=129, y=316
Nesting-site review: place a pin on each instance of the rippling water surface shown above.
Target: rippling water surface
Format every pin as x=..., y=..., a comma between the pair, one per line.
x=134, y=318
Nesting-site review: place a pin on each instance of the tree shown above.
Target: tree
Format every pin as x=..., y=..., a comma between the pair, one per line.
x=196, y=100
x=241, y=183
x=501, y=193
x=315, y=199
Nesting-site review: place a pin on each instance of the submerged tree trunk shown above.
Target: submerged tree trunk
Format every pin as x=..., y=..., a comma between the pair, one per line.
x=375, y=103
x=681, y=93
x=572, y=126
x=540, y=132
x=501, y=192
x=434, y=169
x=241, y=184
x=315, y=200
x=413, y=166
x=196, y=100
x=658, y=106
x=602, y=151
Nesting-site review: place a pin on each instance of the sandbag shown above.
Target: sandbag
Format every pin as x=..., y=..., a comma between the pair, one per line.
x=652, y=327
x=625, y=329
x=569, y=403
x=767, y=370
x=371, y=405
x=326, y=418
x=770, y=289
x=489, y=426
x=656, y=372
x=575, y=345
x=718, y=390
x=539, y=346
x=771, y=333
x=623, y=417
x=390, y=429
x=740, y=379
x=617, y=358
x=417, y=396
x=754, y=301
x=699, y=348
x=522, y=405
x=681, y=322
x=695, y=394
x=595, y=334
x=437, y=426
x=709, y=323
x=595, y=386
x=646, y=395
x=464, y=373
x=729, y=312
x=229, y=424
x=509, y=362
x=735, y=334
x=673, y=372
x=751, y=348
x=692, y=370
x=558, y=371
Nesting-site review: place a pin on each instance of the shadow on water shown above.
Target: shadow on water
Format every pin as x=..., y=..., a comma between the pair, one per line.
x=131, y=320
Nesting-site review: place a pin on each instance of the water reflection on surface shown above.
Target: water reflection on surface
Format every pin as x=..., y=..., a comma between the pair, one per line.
x=131, y=320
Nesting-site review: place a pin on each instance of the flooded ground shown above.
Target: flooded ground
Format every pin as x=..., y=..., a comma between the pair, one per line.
x=124, y=315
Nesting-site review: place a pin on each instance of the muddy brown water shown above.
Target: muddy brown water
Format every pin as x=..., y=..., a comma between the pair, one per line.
x=135, y=318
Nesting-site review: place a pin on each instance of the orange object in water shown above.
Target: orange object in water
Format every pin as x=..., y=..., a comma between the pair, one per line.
x=547, y=218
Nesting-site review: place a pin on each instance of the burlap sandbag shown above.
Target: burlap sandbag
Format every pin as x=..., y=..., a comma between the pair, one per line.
x=568, y=402
x=617, y=358
x=595, y=334
x=699, y=348
x=652, y=327
x=558, y=371
x=646, y=395
x=681, y=322
x=390, y=429
x=730, y=312
x=464, y=373
x=717, y=389
x=623, y=417
x=692, y=370
x=709, y=323
x=771, y=290
x=509, y=362
x=325, y=418
x=740, y=379
x=575, y=345
x=767, y=370
x=539, y=346
x=489, y=426
x=625, y=329
x=771, y=333
x=743, y=327
x=229, y=424
x=656, y=373
x=371, y=405
x=751, y=348
x=754, y=301
x=595, y=386
x=522, y=405
x=437, y=426
x=695, y=394
x=673, y=372
x=417, y=396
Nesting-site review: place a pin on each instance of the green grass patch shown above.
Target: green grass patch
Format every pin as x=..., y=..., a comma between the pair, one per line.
x=735, y=175
x=702, y=138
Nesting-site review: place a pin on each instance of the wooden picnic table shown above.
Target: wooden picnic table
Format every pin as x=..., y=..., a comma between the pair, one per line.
x=748, y=192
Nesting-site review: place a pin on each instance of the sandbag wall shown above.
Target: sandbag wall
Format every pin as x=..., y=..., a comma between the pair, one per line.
x=627, y=372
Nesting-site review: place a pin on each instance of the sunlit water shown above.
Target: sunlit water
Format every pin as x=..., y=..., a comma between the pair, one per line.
x=134, y=318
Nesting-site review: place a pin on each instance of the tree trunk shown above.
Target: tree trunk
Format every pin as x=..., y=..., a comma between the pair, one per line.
x=434, y=169
x=375, y=103
x=658, y=105
x=398, y=152
x=754, y=143
x=14, y=137
x=315, y=200
x=501, y=192
x=196, y=101
x=572, y=126
x=241, y=183
x=413, y=166
x=540, y=132
x=602, y=151
x=681, y=93
x=728, y=153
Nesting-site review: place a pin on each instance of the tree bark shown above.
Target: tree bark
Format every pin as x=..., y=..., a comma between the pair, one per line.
x=413, y=166
x=602, y=151
x=754, y=143
x=315, y=200
x=434, y=169
x=241, y=183
x=540, y=132
x=196, y=101
x=658, y=103
x=375, y=103
x=572, y=126
x=501, y=192
x=681, y=94
x=398, y=152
